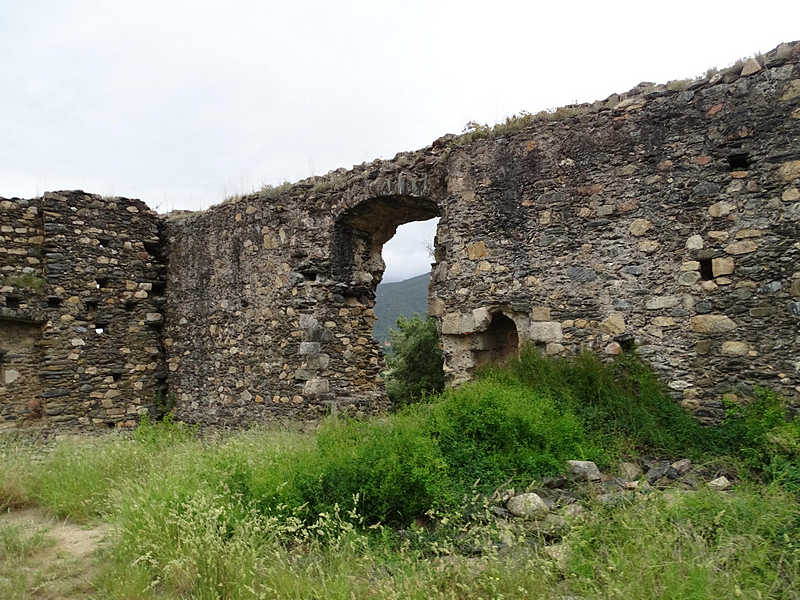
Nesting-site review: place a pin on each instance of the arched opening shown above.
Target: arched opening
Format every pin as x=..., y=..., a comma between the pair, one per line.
x=499, y=342
x=357, y=268
x=403, y=290
x=361, y=232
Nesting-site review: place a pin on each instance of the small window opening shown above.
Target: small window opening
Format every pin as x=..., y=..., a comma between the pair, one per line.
x=111, y=424
x=153, y=248
x=129, y=305
x=104, y=242
x=91, y=305
x=158, y=288
x=245, y=303
x=739, y=161
x=12, y=302
x=100, y=328
x=627, y=342
x=101, y=282
x=53, y=302
x=309, y=275
x=706, y=271
x=116, y=375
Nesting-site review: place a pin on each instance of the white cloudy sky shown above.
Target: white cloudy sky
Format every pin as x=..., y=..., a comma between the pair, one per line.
x=183, y=103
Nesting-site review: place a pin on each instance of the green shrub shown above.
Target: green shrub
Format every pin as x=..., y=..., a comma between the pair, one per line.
x=621, y=402
x=393, y=469
x=763, y=436
x=415, y=364
x=491, y=431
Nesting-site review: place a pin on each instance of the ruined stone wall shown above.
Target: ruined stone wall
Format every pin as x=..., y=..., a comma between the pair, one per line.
x=663, y=221
x=668, y=222
x=81, y=293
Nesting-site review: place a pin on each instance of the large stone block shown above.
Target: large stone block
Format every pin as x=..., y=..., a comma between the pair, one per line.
x=711, y=324
x=546, y=331
x=614, y=324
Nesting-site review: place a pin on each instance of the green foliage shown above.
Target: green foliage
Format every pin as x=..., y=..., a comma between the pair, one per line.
x=415, y=365
x=492, y=431
x=690, y=545
x=620, y=403
x=164, y=433
x=276, y=514
x=25, y=281
x=393, y=467
x=762, y=435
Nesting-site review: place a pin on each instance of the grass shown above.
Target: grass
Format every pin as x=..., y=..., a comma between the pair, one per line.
x=25, y=281
x=18, y=546
x=400, y=507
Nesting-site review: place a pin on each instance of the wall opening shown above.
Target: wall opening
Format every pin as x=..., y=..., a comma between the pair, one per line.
x=740, y=161
x=361, y=232
x=403, y=290
x=706, y=269
x=499, y=343
x=12, y=302
x=357, y=260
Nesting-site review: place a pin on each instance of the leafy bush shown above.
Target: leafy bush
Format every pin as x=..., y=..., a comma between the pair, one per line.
x=491, y=431
x=395, y=469
x=415, y=365
x=762, y=435
x=622, y=403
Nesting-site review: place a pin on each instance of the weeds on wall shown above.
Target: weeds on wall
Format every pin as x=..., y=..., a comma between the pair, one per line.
x=26, y=281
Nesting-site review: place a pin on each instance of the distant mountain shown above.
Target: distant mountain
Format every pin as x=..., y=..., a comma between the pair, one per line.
x=399, y=298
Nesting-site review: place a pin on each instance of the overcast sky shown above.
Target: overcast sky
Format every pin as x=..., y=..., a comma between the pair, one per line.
x=184, y=103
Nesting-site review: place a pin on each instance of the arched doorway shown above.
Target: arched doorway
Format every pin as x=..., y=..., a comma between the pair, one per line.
x=499, y=342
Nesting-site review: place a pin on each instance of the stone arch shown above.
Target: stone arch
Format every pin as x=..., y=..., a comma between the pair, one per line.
x=360, y=232
x=498, y=342
x=481, y=336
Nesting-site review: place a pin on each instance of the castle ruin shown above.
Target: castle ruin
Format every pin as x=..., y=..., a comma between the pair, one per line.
x=664, y=221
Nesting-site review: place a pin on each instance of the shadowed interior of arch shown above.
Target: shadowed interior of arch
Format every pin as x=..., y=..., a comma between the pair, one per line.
x=499, y=342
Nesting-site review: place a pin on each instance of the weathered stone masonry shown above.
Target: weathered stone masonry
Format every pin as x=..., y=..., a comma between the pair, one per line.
x=660, y=221
x=79, y=310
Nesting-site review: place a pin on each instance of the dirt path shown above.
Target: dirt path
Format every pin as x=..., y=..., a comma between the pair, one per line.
x=64, y=567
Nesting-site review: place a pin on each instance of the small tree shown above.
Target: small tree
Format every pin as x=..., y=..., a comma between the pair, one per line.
x=414, y=364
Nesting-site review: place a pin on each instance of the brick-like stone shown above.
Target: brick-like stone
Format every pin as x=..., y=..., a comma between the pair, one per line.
x=734, y=348
x=722, y=266
x=544, y=331
x=639, y=227
x=741, y=247
x=712, y=324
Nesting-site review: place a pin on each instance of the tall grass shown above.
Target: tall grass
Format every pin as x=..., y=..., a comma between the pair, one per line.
x=397, y=506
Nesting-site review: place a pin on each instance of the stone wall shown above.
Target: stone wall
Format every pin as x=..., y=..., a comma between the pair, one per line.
x=664, y=221
x=80, y=310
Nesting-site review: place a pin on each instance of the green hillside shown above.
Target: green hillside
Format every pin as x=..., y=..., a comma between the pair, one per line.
x=399, y=298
